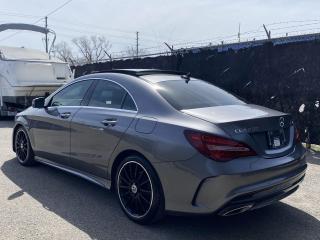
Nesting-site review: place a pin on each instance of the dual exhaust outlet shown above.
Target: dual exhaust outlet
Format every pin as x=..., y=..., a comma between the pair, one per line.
x=235, y=210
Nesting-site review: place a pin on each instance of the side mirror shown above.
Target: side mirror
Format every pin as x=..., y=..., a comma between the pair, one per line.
x=38, y=102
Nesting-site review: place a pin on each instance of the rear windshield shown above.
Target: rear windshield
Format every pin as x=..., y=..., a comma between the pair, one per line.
x=194, y=94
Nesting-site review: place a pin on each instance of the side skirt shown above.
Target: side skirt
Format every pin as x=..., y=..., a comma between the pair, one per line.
x=105, y=183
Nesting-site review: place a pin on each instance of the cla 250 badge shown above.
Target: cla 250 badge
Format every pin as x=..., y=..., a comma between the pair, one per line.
x=247, y=130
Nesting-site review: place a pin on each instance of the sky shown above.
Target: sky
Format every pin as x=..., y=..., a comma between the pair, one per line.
x=177, y=22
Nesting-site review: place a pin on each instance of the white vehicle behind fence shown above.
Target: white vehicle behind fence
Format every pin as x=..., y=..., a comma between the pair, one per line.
x=26, y=73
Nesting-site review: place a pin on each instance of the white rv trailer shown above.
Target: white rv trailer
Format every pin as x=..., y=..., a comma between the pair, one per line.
x=26, y=74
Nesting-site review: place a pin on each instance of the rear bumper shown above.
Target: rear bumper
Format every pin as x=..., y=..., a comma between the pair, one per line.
x=256, y=189
x=262, y=197
x=195, y=189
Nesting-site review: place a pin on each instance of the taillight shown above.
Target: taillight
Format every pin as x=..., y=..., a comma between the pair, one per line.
x=218, y=148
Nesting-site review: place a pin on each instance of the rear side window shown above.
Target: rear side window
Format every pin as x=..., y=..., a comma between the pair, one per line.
x=194, y=94
x=72, y=95
x=110, y=95
x=128, y=103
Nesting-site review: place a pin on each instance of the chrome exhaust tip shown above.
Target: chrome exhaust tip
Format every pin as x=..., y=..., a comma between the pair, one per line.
x=236, y=210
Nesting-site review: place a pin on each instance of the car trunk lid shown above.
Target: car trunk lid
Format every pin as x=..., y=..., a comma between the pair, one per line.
x=269, y=132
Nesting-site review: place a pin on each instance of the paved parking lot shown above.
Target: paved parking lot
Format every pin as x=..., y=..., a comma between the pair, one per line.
x=44, y=203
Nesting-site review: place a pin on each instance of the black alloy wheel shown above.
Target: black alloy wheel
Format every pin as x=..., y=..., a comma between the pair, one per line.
x=23, y=148
x=138, y=191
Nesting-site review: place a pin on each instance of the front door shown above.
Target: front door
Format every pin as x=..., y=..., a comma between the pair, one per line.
x=51, y=127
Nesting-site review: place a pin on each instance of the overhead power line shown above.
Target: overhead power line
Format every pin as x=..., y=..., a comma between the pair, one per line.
x=18, y=15
x=74, y=22
x=58, y=8
x=41, y=18
x=85, y=30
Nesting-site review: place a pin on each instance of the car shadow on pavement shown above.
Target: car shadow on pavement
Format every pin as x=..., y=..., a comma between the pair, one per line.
x=96, y=212
x=313, y=157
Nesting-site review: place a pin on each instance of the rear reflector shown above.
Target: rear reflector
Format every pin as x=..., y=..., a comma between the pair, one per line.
x=218, y=148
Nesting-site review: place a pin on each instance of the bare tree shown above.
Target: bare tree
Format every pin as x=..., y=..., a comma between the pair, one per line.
x=63, y=52
x=92, y=49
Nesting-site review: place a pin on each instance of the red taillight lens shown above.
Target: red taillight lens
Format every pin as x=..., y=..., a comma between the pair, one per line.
x=218, y=148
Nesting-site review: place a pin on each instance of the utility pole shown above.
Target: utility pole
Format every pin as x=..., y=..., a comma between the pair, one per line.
x=46, y=26
x=239, y=31
x=137, y=45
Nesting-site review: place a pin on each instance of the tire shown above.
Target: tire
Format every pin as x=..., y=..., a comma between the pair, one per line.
x=24, y=152
x=139, y=190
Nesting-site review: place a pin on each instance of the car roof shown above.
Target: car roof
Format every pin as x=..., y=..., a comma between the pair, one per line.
x=148, y=75
x=141, y=72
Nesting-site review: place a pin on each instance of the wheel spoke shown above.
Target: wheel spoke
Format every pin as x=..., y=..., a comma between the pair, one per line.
x=135, y=171
x=126, y=174
x=131, y=171
x=124, y=187
x=18, y=137
x=144, y=199
x=145, y=191
x=18, y=152
x=24, y=154
x=124, y=194
x=141, y=204
x=130, y=202
x=140, y=175
x=144, y=182
x=125, y=180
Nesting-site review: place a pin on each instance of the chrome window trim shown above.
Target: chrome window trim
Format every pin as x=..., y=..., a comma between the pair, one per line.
x=112, y=109
x=104, y=79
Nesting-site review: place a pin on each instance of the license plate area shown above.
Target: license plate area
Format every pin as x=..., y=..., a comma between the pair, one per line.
x=276, y=139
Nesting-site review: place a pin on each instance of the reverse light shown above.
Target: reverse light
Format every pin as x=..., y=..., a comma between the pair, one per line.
x=218, y=148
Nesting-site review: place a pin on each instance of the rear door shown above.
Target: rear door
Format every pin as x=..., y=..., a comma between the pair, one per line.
x=51, y=127
x=97, y=128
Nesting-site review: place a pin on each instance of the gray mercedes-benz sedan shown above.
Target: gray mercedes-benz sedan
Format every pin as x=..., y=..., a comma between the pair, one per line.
x=164, y=142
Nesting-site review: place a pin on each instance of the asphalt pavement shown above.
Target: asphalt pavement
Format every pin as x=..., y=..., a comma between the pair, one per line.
x=45, y=203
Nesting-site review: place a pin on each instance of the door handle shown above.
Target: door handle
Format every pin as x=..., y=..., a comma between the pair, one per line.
x=110, y=122
x=65, y=115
